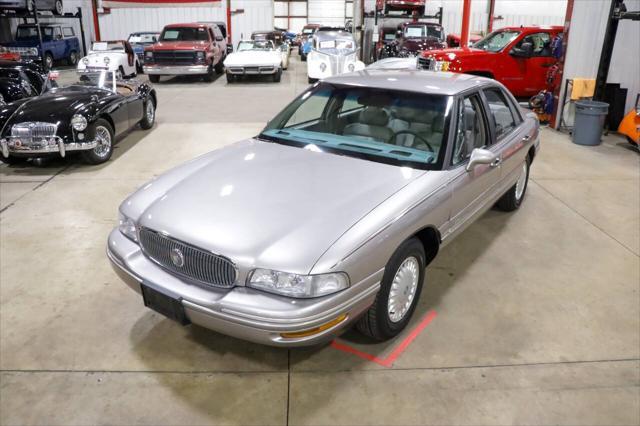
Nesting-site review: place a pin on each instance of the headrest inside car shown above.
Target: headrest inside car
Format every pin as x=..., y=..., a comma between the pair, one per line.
x=374, y=116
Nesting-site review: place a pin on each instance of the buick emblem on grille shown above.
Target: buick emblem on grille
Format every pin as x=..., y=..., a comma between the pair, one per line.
x=177, y=257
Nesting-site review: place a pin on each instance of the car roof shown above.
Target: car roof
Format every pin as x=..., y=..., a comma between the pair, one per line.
x=145, y=32
x=533, y=27
x=189, y=25
x=440, y=83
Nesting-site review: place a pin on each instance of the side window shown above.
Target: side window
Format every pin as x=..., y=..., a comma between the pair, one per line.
x=57, y=33
x=46, y=32
x=310, y=111
x=541, y=43
x=500, y=113
x=350, y=104
x=471, y=129
x=68, y=32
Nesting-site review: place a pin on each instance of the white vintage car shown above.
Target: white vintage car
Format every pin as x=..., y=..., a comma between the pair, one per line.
x=332, y=53
x=116, y=56
x=256, y=57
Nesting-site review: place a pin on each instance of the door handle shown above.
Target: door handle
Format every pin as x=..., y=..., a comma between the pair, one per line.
x=526, y=137
x=496, y=162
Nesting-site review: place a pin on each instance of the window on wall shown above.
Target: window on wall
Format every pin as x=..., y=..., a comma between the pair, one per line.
x=290, y=14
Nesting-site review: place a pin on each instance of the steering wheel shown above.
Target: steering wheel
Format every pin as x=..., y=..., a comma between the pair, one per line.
x=415, y=134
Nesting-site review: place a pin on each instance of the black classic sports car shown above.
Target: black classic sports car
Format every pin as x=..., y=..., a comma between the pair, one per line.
x=20, y=80
x=86, y=116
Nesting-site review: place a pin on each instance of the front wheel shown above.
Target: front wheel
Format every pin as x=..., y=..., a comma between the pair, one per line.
x=513, y=198
x=149, y=114
x=209, y=76
x=104, y=137
x=277, y=76
x=154, y=78
x=219, y=68
x=73, y=58
x=399, y=291
x=230, y=78
x=48, y=61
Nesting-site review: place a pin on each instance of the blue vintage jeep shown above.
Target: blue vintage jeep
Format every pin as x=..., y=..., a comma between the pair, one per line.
x=58, y=41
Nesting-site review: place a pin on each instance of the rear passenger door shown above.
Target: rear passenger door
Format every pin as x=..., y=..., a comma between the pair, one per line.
x=509, y=135
x=472, y=190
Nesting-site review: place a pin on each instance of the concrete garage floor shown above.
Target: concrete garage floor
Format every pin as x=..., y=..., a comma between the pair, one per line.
x=538, y=312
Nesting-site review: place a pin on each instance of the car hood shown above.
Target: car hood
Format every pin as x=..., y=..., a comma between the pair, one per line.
x=264, y=204
x=178, y=45
x=57, y=105
x=453, y=54
x=253, y=57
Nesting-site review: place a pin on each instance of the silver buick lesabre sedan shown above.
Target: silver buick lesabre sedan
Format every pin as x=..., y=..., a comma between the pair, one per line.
x=331, y=214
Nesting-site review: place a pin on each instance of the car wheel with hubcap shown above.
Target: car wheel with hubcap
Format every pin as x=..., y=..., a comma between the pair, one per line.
x=154, y=78
x=209, y=76
x=219, y=68
x=149, y=114
x=58, y=8
x=513, y=198
x=230, y=77
x=399, y=291
x=119, y=73
x=104, y=137
x=48, y=61
x=73, y=58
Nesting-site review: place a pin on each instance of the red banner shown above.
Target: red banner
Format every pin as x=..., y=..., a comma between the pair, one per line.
x=113, y=4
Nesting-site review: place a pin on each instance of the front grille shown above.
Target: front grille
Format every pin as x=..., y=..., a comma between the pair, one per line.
x=424, y=63
x=251, y=69
x=196, y=264
x=30, y=130
x=175, y=57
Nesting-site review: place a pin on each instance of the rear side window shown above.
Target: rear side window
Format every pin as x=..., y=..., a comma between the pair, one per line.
x=68, y=32
x=500, y=112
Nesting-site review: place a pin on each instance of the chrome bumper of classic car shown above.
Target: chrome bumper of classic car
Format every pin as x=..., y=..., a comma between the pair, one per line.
x=53, y=144
x=175, y=69
x=255, y=70
x=241, y=311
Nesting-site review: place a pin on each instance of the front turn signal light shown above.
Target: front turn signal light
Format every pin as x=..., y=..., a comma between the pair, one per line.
x=316, y=330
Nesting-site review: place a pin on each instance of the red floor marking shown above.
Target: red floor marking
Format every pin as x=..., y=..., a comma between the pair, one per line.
x=388, y=361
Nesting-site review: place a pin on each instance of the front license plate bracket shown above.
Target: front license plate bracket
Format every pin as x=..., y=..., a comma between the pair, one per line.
x=166, y=305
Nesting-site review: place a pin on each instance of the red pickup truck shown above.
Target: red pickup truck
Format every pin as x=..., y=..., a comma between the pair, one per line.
x=518, y=57
x=186, y=49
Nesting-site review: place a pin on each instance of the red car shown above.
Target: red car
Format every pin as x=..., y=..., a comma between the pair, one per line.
x=408, y=6
x=518, y=57
x=186, y=49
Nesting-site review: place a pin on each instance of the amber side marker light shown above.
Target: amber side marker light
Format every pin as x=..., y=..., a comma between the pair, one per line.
x=316, y=330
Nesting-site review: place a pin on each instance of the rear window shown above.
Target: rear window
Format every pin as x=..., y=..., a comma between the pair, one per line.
x=68, y=32
x=32, y=32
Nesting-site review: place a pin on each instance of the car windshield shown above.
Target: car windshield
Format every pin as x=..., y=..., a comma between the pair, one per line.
x=142, y=38
x=390, y=36
x=264, y=45
x=422, y=31
x=338, y=44
x=184, y=34
x=496, y=41
x=31, y=31
x=388, y=126
x=104, y=46
x=100, y=79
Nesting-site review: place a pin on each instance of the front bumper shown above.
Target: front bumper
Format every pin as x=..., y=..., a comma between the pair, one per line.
x=176, y=69
x=253, y=70
x=24, y=148
x=244, y=312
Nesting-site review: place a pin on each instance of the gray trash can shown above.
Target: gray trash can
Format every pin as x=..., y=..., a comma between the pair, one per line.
x=590, y=116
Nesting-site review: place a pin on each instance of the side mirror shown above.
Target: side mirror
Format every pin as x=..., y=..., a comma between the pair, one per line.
x=524, y=51
x=480, y=156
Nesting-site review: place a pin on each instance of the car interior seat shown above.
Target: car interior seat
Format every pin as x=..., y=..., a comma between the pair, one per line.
x=372, y=124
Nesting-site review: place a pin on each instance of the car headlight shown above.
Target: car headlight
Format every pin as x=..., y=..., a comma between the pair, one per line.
x=294, y=285
x=127, y=227
x=148, y=55
x=351, y=67
x=323, y=66
x=78, y=122
x=106, y=60
x=200, y=55
x=85, y=61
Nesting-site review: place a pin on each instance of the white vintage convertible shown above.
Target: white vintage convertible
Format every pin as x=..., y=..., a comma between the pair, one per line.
x=116, y=56
x=334, y=52
x=256, y=57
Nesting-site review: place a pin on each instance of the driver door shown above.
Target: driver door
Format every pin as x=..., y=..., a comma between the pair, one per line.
x=471, y=190
x=529, y=74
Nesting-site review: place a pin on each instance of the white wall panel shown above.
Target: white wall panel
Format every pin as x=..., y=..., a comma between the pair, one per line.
x=258, y=15
x=327, y=12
